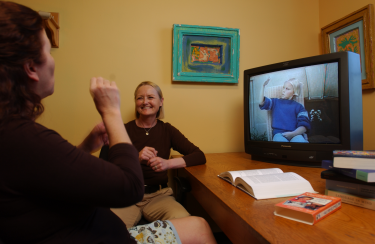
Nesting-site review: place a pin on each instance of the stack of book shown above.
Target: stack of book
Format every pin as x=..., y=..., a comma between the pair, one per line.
x=351, y=176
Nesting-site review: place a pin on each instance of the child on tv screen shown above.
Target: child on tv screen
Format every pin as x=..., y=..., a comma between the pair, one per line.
x=298, y=105
x=290, y=119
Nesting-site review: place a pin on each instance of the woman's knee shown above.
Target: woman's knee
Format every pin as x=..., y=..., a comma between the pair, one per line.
x=164, y=208
x=176, y=211
x=201, y=222
x=198, y=224
x=193, y=230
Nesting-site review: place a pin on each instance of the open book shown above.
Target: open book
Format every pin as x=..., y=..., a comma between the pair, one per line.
x=268, y=183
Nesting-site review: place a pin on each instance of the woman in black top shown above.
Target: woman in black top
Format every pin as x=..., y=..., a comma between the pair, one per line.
x=154, y=140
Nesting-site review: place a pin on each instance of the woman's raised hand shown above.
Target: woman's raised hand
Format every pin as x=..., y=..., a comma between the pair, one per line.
x=107, y=101
x=105, y=94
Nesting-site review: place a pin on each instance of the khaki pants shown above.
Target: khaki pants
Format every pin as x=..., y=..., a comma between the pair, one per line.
x=159, y=205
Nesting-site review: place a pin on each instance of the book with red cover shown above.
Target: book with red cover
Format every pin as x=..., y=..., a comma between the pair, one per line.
x=308, y=208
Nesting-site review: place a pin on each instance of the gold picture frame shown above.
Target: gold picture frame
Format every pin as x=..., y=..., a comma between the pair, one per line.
x=354, y=32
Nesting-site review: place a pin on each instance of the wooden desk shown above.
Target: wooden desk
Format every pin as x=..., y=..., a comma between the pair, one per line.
x=246, y=220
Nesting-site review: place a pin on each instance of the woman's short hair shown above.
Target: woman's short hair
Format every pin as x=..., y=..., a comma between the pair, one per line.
x=294, y=82
x=20, y=42
x=160, y=113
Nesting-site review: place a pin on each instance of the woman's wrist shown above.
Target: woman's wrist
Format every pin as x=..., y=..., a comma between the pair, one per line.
x=111, y=113
x=169, y=163
x=115, y=128
x=83, y=147
x=176, y=163
x=86, y=145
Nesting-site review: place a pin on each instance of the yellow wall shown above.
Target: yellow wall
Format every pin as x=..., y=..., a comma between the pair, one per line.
x=330, y=11
x=131, y=41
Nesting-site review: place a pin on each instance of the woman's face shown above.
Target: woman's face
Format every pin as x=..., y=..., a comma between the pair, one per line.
x=45, y=70
x=147, y=101
x=288, y=91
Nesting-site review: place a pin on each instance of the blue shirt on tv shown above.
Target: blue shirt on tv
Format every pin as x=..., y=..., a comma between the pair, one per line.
x=287, y=115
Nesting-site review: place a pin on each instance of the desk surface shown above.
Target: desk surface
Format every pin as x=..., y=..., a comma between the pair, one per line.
x=246, y=220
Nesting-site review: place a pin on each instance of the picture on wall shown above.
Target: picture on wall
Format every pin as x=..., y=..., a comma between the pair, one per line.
x=354, y=33
x=348, y=41
x=205, y=54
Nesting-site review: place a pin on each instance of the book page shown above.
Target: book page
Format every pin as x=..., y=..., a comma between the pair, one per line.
x=232, y=175
x=275, y=185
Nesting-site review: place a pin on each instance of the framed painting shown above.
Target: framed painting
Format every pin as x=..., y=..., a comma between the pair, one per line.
x=205, y=54
x=354, y=33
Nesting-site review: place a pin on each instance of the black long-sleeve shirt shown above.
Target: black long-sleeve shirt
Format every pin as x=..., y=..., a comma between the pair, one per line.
x=162, y=137
x=53, y=192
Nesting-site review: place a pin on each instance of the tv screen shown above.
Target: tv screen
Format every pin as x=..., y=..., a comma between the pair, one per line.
x=299, y=111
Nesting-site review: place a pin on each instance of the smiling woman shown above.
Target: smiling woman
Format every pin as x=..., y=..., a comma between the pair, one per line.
x=149, y=102
x=154, y=139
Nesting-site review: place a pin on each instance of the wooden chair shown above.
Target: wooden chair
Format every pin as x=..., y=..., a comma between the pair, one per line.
x=275, y=92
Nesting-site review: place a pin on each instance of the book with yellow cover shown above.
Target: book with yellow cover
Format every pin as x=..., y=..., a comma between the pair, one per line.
x=308, y=208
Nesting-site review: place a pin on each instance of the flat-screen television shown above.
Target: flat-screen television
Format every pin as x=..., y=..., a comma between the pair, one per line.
x=297, y=112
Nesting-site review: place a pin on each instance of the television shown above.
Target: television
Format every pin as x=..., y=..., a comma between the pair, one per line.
x=322, y=114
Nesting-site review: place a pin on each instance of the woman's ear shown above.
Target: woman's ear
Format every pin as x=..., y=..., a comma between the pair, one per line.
x=30, y=70
x=162, y=101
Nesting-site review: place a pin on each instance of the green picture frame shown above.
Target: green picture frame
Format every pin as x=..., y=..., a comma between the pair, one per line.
x=205, y=54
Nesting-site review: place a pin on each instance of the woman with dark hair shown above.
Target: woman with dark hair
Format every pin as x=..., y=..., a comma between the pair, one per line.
x=50, y=190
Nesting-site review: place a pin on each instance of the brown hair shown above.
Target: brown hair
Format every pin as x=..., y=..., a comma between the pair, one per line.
x=20, y=42
x=160, y=113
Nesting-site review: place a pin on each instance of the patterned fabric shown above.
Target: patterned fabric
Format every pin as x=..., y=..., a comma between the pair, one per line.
x=158, y=232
